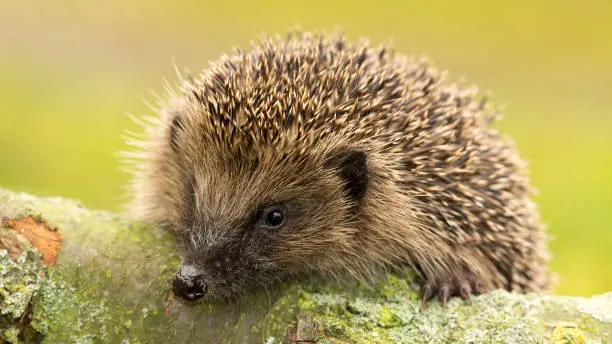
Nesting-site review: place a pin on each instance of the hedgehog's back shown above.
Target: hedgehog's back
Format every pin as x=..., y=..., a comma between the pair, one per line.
x=308, y=86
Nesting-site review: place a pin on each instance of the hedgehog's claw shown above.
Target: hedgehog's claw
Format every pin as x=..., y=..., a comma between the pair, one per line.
x=445, y=287
x=443, y=295
x=465, y=292
x=426, y=294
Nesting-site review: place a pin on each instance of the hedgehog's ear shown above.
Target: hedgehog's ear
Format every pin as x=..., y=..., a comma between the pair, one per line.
x=353, y=168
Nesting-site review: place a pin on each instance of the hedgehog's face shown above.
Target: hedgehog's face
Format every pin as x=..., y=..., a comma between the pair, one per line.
x=246, y=222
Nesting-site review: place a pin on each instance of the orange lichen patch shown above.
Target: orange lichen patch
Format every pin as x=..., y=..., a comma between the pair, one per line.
x=40, y=235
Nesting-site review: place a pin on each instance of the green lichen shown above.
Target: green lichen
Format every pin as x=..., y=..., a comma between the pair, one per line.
x=388, y=313
x=97, y=317
x=11, y=335
x=388, y=319
x=19, y=281
x=565, y=333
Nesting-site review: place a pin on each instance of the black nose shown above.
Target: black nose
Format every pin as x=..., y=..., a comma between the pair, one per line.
x=189, y=284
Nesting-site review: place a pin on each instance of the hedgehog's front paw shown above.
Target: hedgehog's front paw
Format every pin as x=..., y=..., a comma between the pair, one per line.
x=449, y=284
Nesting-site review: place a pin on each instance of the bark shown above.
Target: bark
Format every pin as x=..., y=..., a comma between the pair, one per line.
x=69, y=274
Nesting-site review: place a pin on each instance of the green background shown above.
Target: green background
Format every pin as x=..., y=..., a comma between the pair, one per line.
x=70, y=70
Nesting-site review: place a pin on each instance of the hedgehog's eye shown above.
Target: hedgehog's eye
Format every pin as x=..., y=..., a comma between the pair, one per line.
x=273, y=216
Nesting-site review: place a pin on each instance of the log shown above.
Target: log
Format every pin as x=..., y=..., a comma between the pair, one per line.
x=73, y=275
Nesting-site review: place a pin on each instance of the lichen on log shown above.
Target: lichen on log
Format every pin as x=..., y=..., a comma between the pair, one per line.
x=108, y=280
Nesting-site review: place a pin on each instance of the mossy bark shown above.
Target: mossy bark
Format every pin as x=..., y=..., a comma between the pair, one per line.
x=109, y=283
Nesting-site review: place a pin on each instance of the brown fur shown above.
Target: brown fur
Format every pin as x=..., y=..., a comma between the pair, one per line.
x=445, y=194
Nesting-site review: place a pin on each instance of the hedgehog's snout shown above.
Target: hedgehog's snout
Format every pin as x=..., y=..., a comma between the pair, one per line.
x=189, y=283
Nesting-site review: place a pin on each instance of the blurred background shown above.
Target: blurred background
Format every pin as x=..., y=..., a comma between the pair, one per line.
x=71, y=70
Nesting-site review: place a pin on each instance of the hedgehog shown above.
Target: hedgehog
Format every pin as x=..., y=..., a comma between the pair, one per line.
x=309, y=155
